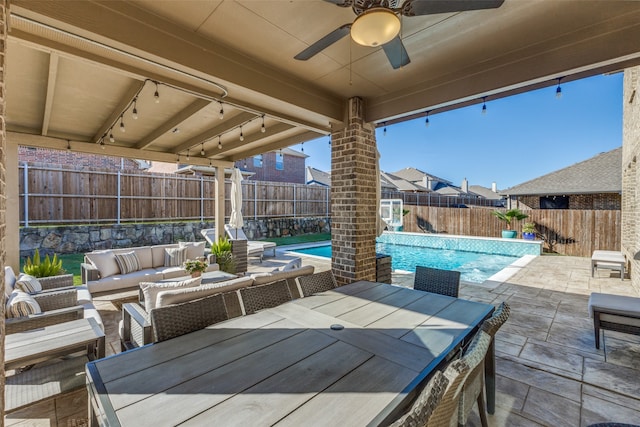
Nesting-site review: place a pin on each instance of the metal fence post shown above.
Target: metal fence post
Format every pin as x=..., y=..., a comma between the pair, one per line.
x=26, y=195
x=326, y=203
x=294, y=200
x=255, y=200
x=201, y=199
x=118, y=199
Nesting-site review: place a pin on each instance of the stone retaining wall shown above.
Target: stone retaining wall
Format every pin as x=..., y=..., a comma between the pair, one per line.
x=81, y=239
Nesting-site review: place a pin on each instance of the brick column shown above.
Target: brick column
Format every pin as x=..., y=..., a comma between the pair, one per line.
x=353, y=197
x=631, y=172
x=4, y=6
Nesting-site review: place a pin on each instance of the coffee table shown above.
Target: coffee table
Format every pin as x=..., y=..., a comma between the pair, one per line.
x=39, y=345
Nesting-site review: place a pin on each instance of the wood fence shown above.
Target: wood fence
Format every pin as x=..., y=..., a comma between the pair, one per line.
x=569, y=232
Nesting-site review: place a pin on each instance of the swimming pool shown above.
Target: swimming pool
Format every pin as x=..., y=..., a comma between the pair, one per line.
x=476, y=259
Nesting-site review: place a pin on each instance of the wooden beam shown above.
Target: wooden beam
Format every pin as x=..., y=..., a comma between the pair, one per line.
x=282, y=143
x=29, y=140
x=51, y=89
x=170, y=124
x=270, y=133
x=133, y=90
x=223, y=127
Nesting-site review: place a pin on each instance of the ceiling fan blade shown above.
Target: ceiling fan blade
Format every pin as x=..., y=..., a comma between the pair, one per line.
x=397, y=54
x=324, y=42
x=431, y=7
x=341, y=3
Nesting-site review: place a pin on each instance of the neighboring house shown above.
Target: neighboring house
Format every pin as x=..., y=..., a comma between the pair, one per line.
x=595, y=183
x=76, y=160
x=423, y=179
x=396, y=183
x=489, y=193
x=318, y=177
x=286, y=165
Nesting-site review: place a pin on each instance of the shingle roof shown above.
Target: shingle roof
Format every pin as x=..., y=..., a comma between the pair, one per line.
x=416, y=175
x=400, y=183
x=599, y=174
x=484, y=192
x=316, y=176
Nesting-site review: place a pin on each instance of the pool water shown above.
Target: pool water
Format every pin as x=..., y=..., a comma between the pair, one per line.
x=473, y=266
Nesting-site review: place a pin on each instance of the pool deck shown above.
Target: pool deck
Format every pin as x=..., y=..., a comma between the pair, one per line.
x=549, y=372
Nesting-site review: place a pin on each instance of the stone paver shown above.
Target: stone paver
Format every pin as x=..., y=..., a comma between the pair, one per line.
x=549, y=372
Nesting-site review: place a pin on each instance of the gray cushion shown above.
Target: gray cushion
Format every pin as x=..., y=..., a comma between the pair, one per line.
x=614, y=304
x=178, y=296
x=122, y=281
x=151, y=290
x=105, y=262
x=194, y=249
x=9, y=281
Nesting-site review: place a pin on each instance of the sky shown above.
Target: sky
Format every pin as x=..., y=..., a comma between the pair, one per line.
x=519, y=138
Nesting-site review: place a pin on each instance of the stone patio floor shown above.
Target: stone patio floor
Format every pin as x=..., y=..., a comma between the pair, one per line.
x=549, y=371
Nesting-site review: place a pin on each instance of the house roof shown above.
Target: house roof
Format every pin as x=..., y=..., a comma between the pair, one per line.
x=316, y=176
x=401, y=184
x=485, y=192
x=291, y=152
x=416, y=175
x=599, y=174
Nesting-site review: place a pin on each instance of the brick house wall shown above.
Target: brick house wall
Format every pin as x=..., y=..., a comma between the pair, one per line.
x=605, y=201
x=293, y=170
x=630, y=173
x=76, y=160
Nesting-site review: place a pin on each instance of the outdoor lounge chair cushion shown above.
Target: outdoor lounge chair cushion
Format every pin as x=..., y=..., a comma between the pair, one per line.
x=22, y=304
x=151, y=289
x=177, y=296
x=28, y=284
x=614, y=304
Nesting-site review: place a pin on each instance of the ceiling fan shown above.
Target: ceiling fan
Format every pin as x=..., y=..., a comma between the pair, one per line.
x=377, y=23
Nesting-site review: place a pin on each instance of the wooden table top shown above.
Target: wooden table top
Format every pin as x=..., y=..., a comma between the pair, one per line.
x=37, y=345
x=287, y=365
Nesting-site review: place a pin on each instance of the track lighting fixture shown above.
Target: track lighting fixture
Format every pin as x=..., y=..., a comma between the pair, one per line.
x=426, y=120
x=178, y=159
x=559, y=89
x=263, y=129
x=210, y=163
x=329, y=140
x=69, y=143
x=219, y=143
x=484, y=105
x=134, y=112
x=202, y=150
x=156, y=95
x=241, y=134
x=122, y=124
x=221, y=113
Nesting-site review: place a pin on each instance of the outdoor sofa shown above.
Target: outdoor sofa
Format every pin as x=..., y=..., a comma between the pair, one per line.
x=102, y=270
x=59, y=301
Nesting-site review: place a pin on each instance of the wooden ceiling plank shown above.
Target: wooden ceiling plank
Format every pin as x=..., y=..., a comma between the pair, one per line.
x=283, y=143
x=133, y=89
x=223, y=127
x=172, y=123
x=51, y=89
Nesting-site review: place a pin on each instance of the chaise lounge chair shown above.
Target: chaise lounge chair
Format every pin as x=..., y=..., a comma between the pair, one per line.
x=254, y=249
x=238, y=234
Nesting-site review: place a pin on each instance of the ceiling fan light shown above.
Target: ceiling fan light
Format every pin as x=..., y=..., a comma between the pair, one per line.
x=375, y=27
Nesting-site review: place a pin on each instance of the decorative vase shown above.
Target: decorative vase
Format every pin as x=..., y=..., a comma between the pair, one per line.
x=528, y=236
x=196, y=274
x=509, y=234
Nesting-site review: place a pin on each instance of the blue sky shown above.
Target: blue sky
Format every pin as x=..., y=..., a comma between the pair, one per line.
x=520, y=138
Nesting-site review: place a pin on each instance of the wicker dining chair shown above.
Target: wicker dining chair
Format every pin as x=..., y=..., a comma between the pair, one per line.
x=457, y=372
x=179, y=319
x=318, y=282
x=434, y=280
x=425, y=403
x=473, y=388
x=256, y=298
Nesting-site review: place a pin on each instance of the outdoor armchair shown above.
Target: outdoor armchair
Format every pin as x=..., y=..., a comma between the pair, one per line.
x=425, y=403
x=57, y=307
x=437, y=281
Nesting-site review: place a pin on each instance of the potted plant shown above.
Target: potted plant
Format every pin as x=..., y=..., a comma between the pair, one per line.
x=508, y=217
x=224, y=257
x=195, y=267
x=43, y=268
x=529, y=231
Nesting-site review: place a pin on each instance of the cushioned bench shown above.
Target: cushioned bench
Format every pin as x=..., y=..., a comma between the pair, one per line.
x=614, y=313
x=612, y=260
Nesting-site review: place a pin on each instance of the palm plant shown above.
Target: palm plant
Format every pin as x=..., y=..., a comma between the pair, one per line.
x=224, y=257
x=509, y=216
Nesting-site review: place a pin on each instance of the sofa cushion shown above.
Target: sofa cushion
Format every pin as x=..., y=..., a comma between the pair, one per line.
x=122, y=281
x=174, y=257
x=195, y=250
x=127, y=262
x=84, y=296
x=9, y=281
x=264, y=278
x=105, y=262
x=178, y=296
x=172, y=272
x=91, y=311
x=22, y=304
x=292, y=265
x=157, y=254
x=151, y=289
x=28, y=284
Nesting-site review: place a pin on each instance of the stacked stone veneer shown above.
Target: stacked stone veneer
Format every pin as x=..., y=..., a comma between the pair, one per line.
x=353, y=198
x=630, y=172
x=3, y=189
x=80, y=239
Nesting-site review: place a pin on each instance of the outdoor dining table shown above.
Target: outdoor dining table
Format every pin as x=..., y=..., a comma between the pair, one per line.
x=355, y=355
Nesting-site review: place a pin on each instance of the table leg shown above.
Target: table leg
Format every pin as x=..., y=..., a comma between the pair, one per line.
x=490, y=377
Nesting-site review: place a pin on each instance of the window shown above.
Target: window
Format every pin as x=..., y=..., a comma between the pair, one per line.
x=554, y=202
x=279, y=161
x=257, y=161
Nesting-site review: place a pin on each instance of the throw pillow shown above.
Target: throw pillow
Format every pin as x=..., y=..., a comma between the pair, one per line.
x=195, y=250
x=28, y=284
x=105, y=262
x=128, y=262
x=9, y=281
x=22, y=304
x=150, y=290
x=174, y=257
x=292, y=265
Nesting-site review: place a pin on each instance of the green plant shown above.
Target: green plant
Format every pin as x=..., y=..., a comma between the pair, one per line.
x=509, y=216
x=46, y=268
x=194, y=265
x=225, y=259
x=529, y=227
